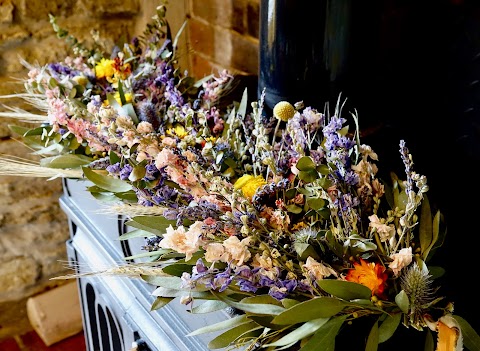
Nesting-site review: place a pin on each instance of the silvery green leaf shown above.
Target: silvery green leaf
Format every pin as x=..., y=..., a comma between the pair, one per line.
x=389, y=326
x=137, y=233
x=316, y=203
x=429, y=342
x=287, y=303
x=401, y=299
x=106, y=182
x=229, y=323
x=345, y=290
x=137, y=173
x=372, y=341
x=323, y=169
x=130, y=112
x=65, y=161
x=166, y=292
x=300, y=332
x=209, y=306
x=305, y=164
x=294, y=209
x=160, y=302
x=319, y=307
x=305, y=250
x=177, y=269
x=154, y=224
x=168, y=282
x=229, y=336
x=308, y=176
x=242, y=108
x=427, y=236
x=153, y=254
x=324, y=338
x=262, y=299
x=471, y=339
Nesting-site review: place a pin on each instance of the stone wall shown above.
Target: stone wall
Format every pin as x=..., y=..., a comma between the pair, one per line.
x=33, y=229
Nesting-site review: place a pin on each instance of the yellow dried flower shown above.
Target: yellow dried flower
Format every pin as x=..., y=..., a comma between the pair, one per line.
x=283, y=110
x=104, y=69
x=249, y=184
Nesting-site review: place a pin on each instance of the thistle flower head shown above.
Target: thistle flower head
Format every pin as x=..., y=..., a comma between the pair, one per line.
x=417, y=284
x=304, y=235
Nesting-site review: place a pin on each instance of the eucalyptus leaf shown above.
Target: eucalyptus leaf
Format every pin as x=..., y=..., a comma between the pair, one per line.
x=154, y=224
x=165, y=292
x=265, y=321
x=427, y=239
x=471, y=339
x=345, y=290
x=160, y=302
x=257, y=308
x=209, y=306
x=319, y=307
x=305, y=250
x=138, y=172
x=262, y=299
x=130, y=112
x=372, y=340
x=37, y=131
x=324, y=338
x=389, y=326
x=308, y=176
x=242, y=108
x=294, y=209
x=20, y=130
x=114, y=158
x=157, y=253
x=168, y=282
x=109, y=183
x=65, y=161
x=135, y=224
x=402, y=301
x=177, y=269
x=429, y=341
x=228, y=337
x=301, y=332
x=137, y=233
x=104, y=197
x=306, y=164
x=229, y=323
x=323, y=169
x=316, y=203
x=287, y=303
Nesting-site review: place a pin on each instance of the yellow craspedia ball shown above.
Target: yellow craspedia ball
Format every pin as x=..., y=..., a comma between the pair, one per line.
x=283, y=110
x=249, y=184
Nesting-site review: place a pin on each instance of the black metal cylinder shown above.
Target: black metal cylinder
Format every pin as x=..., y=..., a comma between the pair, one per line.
x=312, y=51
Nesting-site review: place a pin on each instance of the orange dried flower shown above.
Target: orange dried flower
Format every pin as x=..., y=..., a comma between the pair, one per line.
x=370, y=274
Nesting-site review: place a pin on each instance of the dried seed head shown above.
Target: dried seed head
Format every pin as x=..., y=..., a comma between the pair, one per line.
x=283, y=110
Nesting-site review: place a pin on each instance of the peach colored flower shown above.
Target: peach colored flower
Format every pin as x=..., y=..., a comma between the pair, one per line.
x=400, y=260
x=186, y=242
x=214, y=252
x=318, y=269
x=237, y=251
x=385, y=231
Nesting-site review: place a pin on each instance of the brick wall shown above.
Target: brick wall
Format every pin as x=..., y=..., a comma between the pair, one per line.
x=223, y=34
x=33, y=229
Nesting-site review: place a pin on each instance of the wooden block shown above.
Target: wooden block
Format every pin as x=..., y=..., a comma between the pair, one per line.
x=56, y=314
